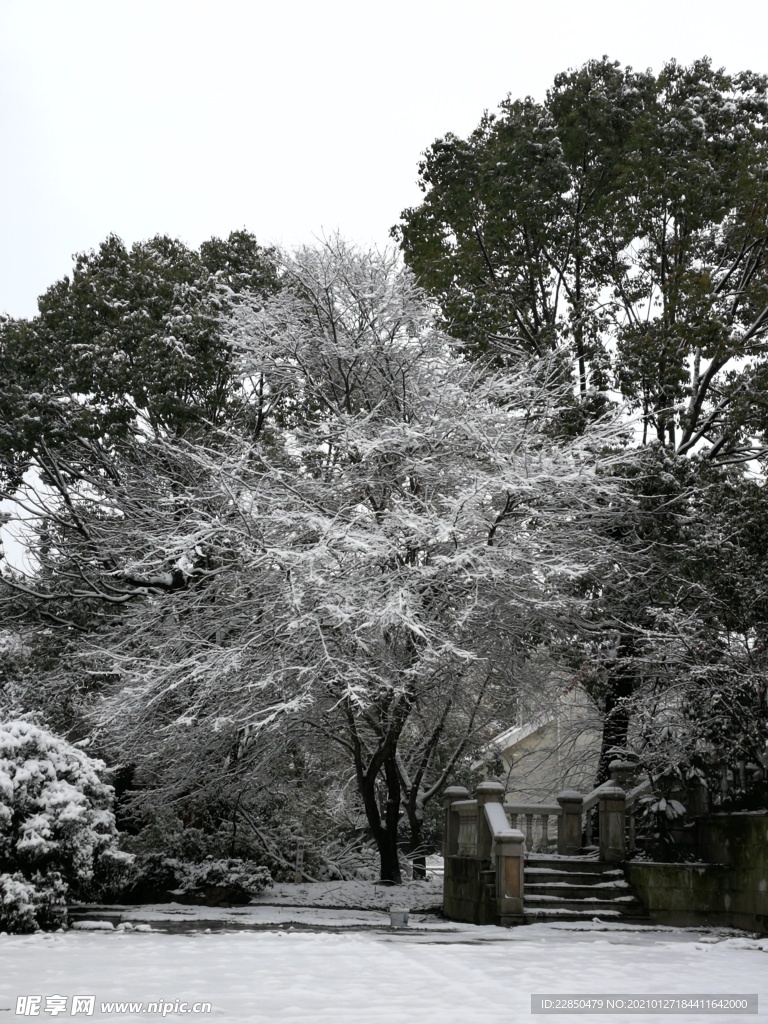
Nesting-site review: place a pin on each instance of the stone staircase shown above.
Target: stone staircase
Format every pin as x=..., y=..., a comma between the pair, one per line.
x=578, y=889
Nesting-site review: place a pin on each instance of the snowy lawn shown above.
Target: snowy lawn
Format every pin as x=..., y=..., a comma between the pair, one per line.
x=427, y=895
x=348, y=966
x=470, y=975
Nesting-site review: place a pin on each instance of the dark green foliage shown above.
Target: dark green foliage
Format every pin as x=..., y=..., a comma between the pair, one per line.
x=622, y=221
x=623, y=224
x=130, y=343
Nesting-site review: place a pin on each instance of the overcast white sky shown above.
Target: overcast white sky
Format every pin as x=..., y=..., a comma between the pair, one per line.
x=288, y=117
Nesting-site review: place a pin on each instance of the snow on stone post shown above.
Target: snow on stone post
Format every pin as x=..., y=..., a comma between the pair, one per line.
x=612, y=818
x=622, y=773
x=569, y=822
x=451, y=819
x=509, y=860
x=486, y=793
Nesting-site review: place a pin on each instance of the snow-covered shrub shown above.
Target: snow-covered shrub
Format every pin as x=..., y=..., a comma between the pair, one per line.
x=155, y=876
x=151, y=878
x=234, y=873
x=17, y=904
x=56, y=819
x=27, y=905
x=116, y=871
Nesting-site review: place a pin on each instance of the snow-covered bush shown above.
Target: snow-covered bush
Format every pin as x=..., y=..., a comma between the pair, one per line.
x=57, y=829
x=26, y=905
x=155, y=876
x=233, y=873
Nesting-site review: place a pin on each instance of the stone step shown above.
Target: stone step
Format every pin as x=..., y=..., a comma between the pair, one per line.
x=544, y=876
x=578, y=888
x=574, y=889
x=540, y=916
x=553, y=862
x=566, y=890
x=545, y=915
x=619, y=905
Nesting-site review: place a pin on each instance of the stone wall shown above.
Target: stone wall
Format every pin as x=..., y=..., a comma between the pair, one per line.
x=730, y=889
x=467, y=896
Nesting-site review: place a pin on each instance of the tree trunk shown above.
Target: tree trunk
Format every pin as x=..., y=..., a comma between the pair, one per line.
x=384, y=831
x=416, y=853
x=388, y=858
x=390, y=863
x=621, y=686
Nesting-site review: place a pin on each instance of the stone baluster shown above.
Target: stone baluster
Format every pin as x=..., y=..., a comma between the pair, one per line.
x=529, y=832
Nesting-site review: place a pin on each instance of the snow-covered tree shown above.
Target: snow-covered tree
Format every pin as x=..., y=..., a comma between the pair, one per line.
x=128, y=347
x=56, y=822
x=396, y=523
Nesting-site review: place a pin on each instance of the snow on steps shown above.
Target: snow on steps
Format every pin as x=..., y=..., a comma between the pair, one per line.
x=575, y=888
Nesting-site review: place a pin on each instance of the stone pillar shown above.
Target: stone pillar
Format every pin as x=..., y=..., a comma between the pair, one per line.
x=509, y=860
x=569, y=822
x=612, y=816
x=451, y=820
x=486, y=793
x=622, y=773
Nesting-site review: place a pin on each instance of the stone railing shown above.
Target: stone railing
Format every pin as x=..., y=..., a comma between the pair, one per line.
x=536, y=822
x=565, y=827
x=485, y=851
x=465, y=812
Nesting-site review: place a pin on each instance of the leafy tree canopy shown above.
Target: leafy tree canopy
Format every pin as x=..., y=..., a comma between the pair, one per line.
x=130, y=342
x=624, y=220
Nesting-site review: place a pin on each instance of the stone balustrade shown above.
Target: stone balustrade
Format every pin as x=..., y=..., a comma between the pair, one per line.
x=485, y=855
x=485, y=850
x=466, y=811
x=535, y=821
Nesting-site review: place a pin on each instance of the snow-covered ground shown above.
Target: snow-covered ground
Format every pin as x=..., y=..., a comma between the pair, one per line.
x=426, y=895
x=349, y=967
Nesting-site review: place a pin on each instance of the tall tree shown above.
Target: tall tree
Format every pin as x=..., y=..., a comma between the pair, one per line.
x=402, y=524
x=622, y=222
